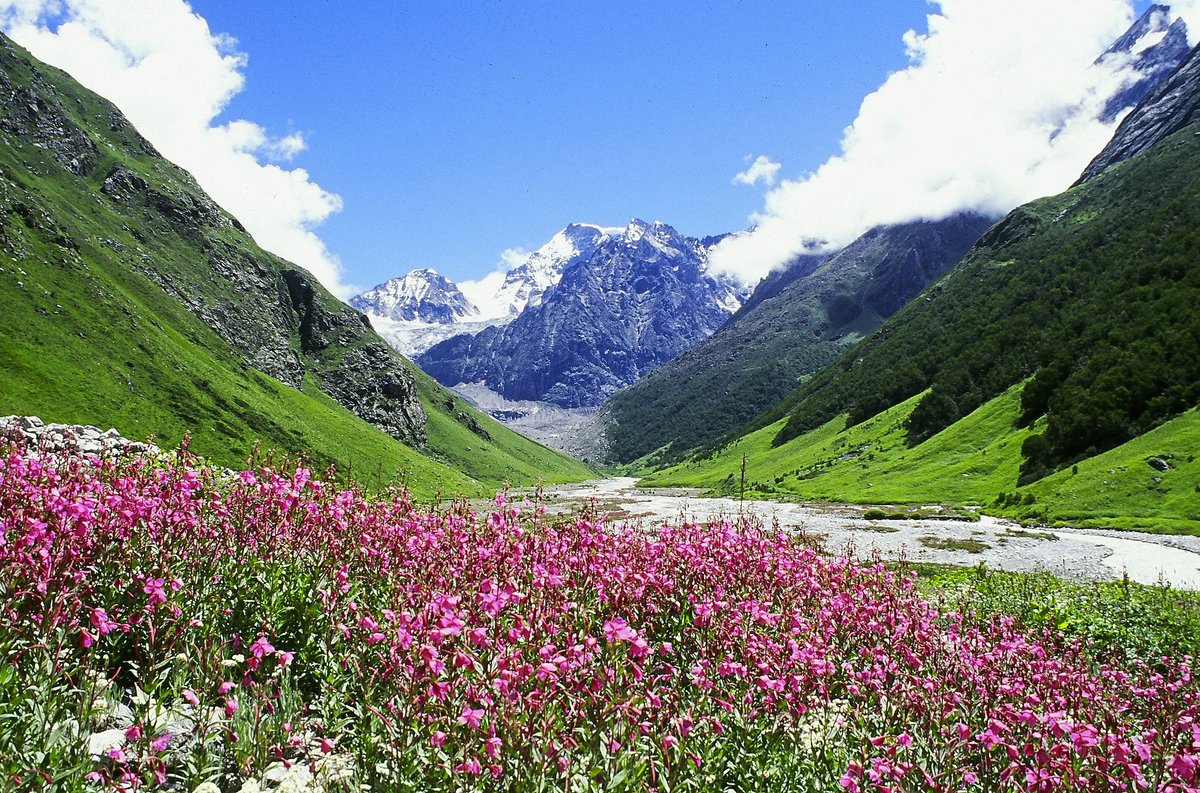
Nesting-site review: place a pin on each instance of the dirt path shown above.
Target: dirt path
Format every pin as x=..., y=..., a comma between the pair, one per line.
x=1072, y=553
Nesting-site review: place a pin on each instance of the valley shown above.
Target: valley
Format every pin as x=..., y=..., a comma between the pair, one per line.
x=890, y=485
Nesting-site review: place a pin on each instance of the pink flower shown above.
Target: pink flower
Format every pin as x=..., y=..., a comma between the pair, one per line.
x=617, y=629
x=284, y=658
x=133, y=732
x=161, y=742
x=231, y=707
x=102, y=623
x=86, y=639
x=326, y=745
x=472, y=717
x=261, y=647
x=190, y=697
x=472, y=767
x=154, y=588
x=492, y=746
x=226, y=687
x=438, y=739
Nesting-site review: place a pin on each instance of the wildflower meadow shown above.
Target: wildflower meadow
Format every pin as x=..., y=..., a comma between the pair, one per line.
x=167, y=625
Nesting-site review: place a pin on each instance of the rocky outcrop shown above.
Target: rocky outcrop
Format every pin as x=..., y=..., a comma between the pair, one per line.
x=275, y=316
x=53, y=439
x=1171, y=106
x=642, y=297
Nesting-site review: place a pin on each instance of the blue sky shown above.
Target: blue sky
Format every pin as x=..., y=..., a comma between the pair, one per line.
x=453, y=136
x=363, y=140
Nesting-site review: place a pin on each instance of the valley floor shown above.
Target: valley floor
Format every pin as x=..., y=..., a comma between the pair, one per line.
x=1086, y=554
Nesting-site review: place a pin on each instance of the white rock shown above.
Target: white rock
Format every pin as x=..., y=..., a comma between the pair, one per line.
x=99, y=743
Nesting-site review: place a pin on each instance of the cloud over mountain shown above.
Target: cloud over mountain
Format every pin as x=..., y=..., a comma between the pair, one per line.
x=172, y=76
x=998, y=106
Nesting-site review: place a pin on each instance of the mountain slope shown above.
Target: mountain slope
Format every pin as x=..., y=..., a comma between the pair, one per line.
x=1086, y=299
x=1173, y=104
x=420, y=296
x=637, y=301
x=794, y=323
x=1148, y=483
x=130, y=299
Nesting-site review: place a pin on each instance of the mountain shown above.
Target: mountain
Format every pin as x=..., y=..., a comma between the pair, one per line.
x=1054, y=372
x=1173, y=104
x=639, y=299
x=418, y=310
x=525, y=284
x=131, y=299
x=1157, y=43
x=795, y=322
x=421, y=296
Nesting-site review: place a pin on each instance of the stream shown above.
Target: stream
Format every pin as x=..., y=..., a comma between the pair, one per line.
x=1095, y=555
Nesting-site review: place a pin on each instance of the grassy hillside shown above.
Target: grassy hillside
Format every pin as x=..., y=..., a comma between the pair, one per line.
x=94, y=327
x=974, y=461
x=1088, y=297
x=795, y=323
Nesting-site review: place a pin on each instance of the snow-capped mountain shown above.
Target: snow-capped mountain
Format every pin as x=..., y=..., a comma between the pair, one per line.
x=421, y=296
x=1157, y=43
x=643, y=296
x=422, y=308
x=525, y=284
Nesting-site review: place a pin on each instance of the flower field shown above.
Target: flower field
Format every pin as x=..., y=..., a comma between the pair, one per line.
x=164, y=625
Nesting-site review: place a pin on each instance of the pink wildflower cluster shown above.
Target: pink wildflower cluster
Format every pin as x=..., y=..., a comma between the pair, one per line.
x=507, y=646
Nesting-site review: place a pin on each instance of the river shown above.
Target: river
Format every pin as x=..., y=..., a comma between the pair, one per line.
x=1094, y=555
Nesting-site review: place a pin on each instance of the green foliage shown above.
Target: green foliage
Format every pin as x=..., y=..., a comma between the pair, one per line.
x=974, y=461
x=88, y=336
x=1089, y=296
x=1131, y=621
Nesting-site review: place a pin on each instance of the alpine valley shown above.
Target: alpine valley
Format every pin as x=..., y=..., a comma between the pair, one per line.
x=918, y=510
x=132, y=300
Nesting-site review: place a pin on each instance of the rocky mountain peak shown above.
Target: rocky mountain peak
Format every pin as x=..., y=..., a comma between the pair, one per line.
x=1156, y=44
x=1173, y=104
x=422, y=295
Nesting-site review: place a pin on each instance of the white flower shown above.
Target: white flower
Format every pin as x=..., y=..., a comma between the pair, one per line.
x=206, y=787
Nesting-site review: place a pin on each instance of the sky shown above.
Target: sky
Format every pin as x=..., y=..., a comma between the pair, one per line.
x=364, y=140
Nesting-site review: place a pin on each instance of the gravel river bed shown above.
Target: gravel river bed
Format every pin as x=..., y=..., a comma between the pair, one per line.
x=1085, y=554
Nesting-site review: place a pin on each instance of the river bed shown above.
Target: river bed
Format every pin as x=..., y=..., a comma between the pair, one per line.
x=1072, y=553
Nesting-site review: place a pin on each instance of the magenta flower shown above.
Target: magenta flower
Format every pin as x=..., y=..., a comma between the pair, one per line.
x=617, y=630
x=190, y=697
x=261, y=647
x=472, y=717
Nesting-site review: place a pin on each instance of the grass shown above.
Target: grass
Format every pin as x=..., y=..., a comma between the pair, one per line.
x=88, y=335
x=970, y=463
x=953, y=544
x=1117, y=618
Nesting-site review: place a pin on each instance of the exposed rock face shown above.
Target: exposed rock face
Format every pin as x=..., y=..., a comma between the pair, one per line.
x=422, y=308
x=421, y=296
x=641, y=297
x=270, y=312
x=1158, y=45
x=1172, y=105
x=796, y=321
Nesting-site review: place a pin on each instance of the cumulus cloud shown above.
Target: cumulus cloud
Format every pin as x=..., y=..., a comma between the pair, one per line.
x=998, y=106
x=158, y=61
x=761, y=170
x=512, y=258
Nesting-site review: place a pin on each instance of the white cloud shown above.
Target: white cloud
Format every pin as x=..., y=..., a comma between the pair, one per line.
x=997, y=107
x=761, y=170
x=158, y=61
x=512, y=258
